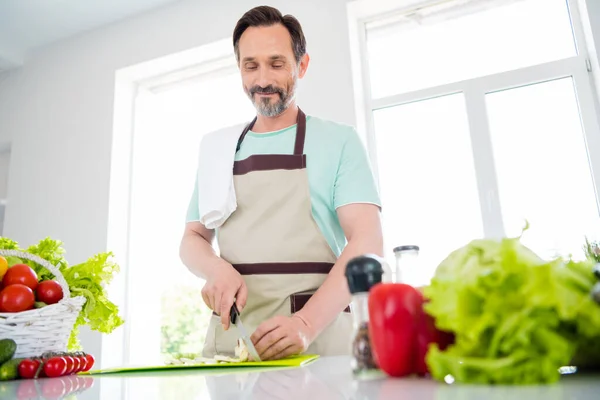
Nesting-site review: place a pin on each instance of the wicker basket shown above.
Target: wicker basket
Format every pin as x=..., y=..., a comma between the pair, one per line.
x=44, y=329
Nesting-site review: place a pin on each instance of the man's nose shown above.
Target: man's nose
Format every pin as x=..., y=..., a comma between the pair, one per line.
x=264, y=78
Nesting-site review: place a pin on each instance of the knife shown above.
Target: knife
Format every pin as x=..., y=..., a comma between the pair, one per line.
x=237, y=321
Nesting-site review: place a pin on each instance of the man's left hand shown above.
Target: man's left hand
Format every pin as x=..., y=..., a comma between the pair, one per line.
x=281, y=336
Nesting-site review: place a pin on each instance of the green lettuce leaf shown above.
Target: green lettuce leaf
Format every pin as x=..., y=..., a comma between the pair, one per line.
x=89, y=279
x=516, y=318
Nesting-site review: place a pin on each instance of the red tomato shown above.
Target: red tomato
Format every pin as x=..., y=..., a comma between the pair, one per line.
x=49, y=292
x=393, y=314
x=55, y=366
x=16, y=298
x=76, y=364
x=20, y=273
x=90, y=362
x=70, y=364
x=82, y=363
x=28, y=368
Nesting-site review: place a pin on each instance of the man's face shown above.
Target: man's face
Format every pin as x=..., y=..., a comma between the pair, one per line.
x=269, y=69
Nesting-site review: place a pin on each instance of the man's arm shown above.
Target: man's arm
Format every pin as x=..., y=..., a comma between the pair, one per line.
x=362, y=226
x=223, y=282
x=196, y=251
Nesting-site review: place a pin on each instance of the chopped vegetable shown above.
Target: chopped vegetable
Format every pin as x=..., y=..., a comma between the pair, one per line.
x=516, y=318
x=241, y=351
x=241, y=355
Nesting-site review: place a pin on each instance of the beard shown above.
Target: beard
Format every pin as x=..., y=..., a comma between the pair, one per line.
x=272, y=107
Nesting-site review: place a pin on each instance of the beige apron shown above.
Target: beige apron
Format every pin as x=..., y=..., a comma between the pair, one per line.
x=273, y=241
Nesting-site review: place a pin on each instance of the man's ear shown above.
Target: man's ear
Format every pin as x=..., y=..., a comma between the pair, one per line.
x=303, y=65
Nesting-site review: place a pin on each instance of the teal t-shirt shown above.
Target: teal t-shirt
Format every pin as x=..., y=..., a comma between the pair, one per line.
x=339, y=171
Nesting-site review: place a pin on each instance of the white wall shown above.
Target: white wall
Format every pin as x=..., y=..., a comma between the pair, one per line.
x=57, y=111
x=4, y=168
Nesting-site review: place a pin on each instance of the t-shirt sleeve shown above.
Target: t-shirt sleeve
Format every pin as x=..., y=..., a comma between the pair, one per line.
x=193, y=214
x=355, y=181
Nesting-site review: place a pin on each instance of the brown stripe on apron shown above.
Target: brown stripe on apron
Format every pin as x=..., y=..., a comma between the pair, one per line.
x=274, y=242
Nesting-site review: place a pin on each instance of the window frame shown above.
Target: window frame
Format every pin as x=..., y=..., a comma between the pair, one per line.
x=579, y=68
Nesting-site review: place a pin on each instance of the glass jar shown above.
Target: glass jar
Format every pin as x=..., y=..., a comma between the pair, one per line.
x=362, y=272
x=407, y=270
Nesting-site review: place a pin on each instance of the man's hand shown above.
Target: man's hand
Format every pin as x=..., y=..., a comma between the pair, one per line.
x=223, y=286
x=281, y=336
x=362, y=226
x=223, y=282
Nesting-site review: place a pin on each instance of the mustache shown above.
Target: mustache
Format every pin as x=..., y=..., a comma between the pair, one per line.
x=267, y=89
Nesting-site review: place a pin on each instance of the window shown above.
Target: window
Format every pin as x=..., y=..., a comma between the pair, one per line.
x=479, y=118
x=456, y=41
x=543, y=170
x=166, y=311
x=427, y=183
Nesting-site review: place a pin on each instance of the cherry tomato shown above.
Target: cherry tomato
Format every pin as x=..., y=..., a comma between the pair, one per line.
x=20, y=273
x=82, y=363
x=90, y=362
x=56, y=366
x=70, y=364
x=76, y=364
x=49, y=292
x=28, y=368
x=16, y=298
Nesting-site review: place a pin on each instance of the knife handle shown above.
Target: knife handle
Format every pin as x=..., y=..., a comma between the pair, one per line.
x=233, y=313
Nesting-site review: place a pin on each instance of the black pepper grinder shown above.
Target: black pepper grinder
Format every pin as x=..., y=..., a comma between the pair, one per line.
x=363, y=273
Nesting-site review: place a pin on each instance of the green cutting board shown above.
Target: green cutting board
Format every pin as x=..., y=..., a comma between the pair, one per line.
x=294, y=361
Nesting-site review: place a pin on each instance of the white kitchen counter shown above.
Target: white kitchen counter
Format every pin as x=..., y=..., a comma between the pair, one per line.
x=327, y=378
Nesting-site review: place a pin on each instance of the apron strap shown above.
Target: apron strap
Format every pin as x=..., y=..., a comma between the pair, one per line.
x=300, y=133
x=243, y=135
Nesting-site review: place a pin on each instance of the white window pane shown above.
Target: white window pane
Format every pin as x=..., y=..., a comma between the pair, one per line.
x=427, y=176
x=543, y=170
x=444, y=50
x=165, y=305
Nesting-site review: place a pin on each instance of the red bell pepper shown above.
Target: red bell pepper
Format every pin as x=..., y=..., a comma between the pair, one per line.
x=399, y=329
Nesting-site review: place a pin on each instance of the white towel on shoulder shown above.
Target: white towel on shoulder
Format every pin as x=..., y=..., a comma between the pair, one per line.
x=216, y=193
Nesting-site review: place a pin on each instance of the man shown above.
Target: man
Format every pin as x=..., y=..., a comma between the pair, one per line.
x=306, y=204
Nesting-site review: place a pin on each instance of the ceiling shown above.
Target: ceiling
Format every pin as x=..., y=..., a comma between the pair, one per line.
x=28, y=24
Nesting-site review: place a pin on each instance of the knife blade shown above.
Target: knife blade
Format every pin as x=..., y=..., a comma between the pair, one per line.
x=237, y=321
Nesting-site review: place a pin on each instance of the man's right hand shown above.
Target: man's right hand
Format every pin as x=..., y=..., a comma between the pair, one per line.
x=223, y=286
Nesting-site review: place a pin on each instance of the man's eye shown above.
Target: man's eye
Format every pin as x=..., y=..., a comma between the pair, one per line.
x=250, y=66
x=278, y=65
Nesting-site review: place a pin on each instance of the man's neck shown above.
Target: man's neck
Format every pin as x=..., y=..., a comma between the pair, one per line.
x=284, y=120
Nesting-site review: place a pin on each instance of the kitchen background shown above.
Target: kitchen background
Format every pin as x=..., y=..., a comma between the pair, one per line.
x=478, y=115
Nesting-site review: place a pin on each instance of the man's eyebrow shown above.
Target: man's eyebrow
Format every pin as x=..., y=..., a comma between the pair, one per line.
x=272, y=58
